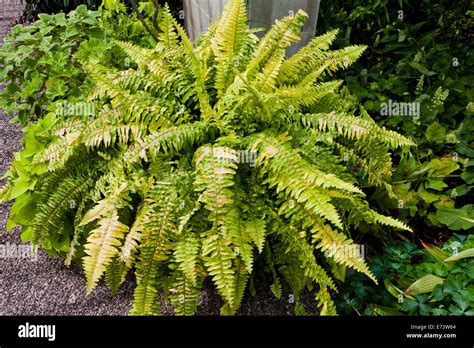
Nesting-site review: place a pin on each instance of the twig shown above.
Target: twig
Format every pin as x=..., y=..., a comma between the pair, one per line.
x=154, y=21
x=140, y=17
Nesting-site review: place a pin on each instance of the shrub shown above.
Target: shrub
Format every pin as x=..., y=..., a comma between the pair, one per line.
x=34, y=8
x=206, y=161
x=417, y=54
x=38, y=65
x=429, y=281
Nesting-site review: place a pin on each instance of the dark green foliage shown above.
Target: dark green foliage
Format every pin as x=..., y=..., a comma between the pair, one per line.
x=399, y=266
x=418, y=53
x=38, y=65
x=34, y=7
x=41, y=64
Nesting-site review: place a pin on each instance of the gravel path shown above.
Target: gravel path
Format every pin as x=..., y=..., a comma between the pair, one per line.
x=42, y=285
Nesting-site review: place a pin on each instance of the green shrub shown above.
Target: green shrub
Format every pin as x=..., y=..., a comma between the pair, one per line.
x=417, y=54
x=206, y=161
x=429, y=281
x=35, y=7
x=41, y=64
x=38, y=65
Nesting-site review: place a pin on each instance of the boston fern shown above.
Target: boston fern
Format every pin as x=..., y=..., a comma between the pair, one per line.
x=209, y=160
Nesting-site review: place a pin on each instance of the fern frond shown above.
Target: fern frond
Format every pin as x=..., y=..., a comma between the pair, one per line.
x=291, y=174
x=174, y=139
x=293, y=98
x=234, y=229
x=295, y=242
x=240, y=284
x=218, y=258
x=156, y=247
x=256, y=230
x=308, y=55
x=108, y=134
x=102, y=246
x=59, y=151
x=131, y=243
x=107, y=206
x=52, y=208
x=266, y=79
x=184, y=294
x=341, y=249
x=216, y=167
x=186, y=254
x=359, y=211
x=355, y=128
x=285, y=32
x=230, y=31
x=168, y=35
x=315, y=56
x=115, y=274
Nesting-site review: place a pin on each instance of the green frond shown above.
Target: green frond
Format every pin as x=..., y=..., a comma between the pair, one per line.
x=79, y=231
x=296, y=243
x=256, y=230
x=184, y=294
x=156, y=247
x=355, y=128
x=266, y=80
x=106, y=206
x=52, y=209
x=293, y=98
x=315, y=56
x=145, y=296
x=216, y=167
x=234, y=229
x=296, y=178
x=341, y=249
x=186, y=255
x=241, y=278
x=218, y=257
x=308, y=55
x=328, y=308
x=132, y=239
x=115, y=274
x=108, y=134
x=282, y=34
x=175, y=138
x=359, y=211
x=373, y=160
x=5, y=191
x=136, y=81
x=56, y=154
x=135, y=108
x=168, y=35
x=102, y=246
x=230, y=31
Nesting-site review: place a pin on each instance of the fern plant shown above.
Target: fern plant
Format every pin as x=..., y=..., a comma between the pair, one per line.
x=209, y=159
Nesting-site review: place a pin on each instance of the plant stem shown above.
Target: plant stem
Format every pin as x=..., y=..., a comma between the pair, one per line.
x=140, y=17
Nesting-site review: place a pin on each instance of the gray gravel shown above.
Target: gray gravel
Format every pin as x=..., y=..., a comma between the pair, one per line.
x=42, y=285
